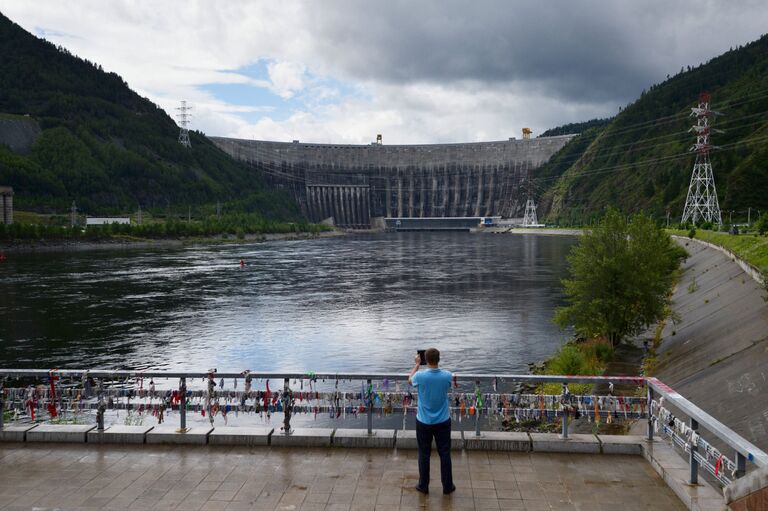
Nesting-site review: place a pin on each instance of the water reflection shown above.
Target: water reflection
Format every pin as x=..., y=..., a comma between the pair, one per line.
x=354, y=303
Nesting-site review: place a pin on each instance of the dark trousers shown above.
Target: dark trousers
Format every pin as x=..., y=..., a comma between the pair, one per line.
x=442, y=435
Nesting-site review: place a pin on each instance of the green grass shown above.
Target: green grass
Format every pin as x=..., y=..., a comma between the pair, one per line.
x=751, y=248
x=587, y=358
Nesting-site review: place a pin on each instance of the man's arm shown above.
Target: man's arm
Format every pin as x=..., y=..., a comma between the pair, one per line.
x=415, y=369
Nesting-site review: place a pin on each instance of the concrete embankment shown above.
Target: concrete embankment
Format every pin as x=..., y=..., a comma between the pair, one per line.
x=529, y=230
x=716, y=353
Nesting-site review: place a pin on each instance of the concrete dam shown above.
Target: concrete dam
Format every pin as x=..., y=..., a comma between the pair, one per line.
x=356, y=183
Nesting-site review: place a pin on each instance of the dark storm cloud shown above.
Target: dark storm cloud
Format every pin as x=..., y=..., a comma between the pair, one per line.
x=576, y=50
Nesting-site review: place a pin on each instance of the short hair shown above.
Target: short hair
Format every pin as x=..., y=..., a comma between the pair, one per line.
x=432, y=356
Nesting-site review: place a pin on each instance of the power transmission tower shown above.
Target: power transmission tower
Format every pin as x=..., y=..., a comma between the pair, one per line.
x=701, y=203
x=529, y=218
x=138, y=216
x=184, y=118
x=73, y=214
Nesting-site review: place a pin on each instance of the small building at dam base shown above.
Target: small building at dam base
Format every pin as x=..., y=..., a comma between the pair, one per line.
x=6, y=205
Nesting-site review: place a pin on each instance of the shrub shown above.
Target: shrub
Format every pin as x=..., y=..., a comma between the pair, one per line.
x=568, y=361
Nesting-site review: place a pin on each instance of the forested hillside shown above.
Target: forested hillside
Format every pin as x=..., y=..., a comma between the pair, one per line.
x=107, y=148
x=640, y=160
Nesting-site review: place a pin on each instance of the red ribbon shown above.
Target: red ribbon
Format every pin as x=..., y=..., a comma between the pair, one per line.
x=52, y=402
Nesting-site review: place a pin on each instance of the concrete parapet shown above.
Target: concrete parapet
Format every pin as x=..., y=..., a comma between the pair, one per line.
x=304, y=437
x=240, y=436
x=749, y=492
x=621, y=444
x=119, y=435
x=15, y=433
x=407, y=440
x=498, y=441
x=547, y=442
x=171, y=435
x=675, y=472
x=70, y=433
x=380, y=438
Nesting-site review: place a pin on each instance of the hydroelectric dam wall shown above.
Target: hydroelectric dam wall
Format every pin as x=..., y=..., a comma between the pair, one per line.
x=354, y=183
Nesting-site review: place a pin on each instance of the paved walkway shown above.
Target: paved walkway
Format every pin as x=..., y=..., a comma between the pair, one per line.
x=89, y=477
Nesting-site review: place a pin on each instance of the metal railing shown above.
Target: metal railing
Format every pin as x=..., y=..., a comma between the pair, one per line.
x=473, y=396
x=686, y=435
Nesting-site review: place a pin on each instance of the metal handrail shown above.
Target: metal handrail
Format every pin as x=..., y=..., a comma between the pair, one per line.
x=483, y=378
x=744, y=449
x=742, y=446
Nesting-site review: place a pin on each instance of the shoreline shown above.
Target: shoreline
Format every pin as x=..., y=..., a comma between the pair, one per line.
x=554, y=231
x=118, y=243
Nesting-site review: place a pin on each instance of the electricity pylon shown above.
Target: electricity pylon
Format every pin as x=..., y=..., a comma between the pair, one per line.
x=529, y=219
x=184, y=119
x=701, y=203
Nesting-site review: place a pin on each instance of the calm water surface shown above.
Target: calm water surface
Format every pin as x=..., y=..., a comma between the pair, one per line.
x=355, y=303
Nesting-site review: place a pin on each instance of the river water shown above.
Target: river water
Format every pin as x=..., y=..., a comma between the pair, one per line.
x=353, y=303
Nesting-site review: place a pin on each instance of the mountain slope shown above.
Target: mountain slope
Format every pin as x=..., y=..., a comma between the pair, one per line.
x=104, y=146
x=640, y=160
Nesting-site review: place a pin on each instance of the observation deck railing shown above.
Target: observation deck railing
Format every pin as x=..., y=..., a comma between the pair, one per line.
x=472, y=396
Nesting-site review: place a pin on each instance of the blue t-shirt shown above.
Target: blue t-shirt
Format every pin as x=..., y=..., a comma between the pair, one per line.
x=433, y=386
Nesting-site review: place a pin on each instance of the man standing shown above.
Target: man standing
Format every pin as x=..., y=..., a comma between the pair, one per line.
x=433, y=419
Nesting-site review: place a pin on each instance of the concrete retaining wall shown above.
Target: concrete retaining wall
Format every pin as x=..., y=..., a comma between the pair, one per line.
x=717, y=354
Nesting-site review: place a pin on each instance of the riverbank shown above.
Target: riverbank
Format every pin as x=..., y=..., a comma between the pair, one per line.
x=119, y=242
x=749, y=251
x=544, y=231
x=714, y=349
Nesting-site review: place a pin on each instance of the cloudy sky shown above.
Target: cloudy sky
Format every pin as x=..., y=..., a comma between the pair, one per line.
x=415, y=71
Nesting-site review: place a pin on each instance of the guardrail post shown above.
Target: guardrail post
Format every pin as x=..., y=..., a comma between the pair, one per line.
x=650, y=414
x=102, y=406
x=477, y=407
x=565, y=405
x=287, y=405
x=369, y=397
x=2, y=404
x=741, y=465
x=183, y=405
x=565, y=424
x=694, y=479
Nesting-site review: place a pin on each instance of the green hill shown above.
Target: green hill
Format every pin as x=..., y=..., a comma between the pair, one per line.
x=104, y=146
x=639, y=161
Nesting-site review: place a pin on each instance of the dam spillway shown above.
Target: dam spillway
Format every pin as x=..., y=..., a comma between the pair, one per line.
x=355, y=183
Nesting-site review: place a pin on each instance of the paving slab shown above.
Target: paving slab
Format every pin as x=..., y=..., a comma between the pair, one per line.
x=381, y=438
x=498, y=441
x=407, y=440
x=304, y=437
x=119, y=434
x=197, y=435
x=252, y=477
x=66, y=433
x=576, y=443
x=674, y=471
x=240, y=435
x=621, y=444
x=15, y=432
